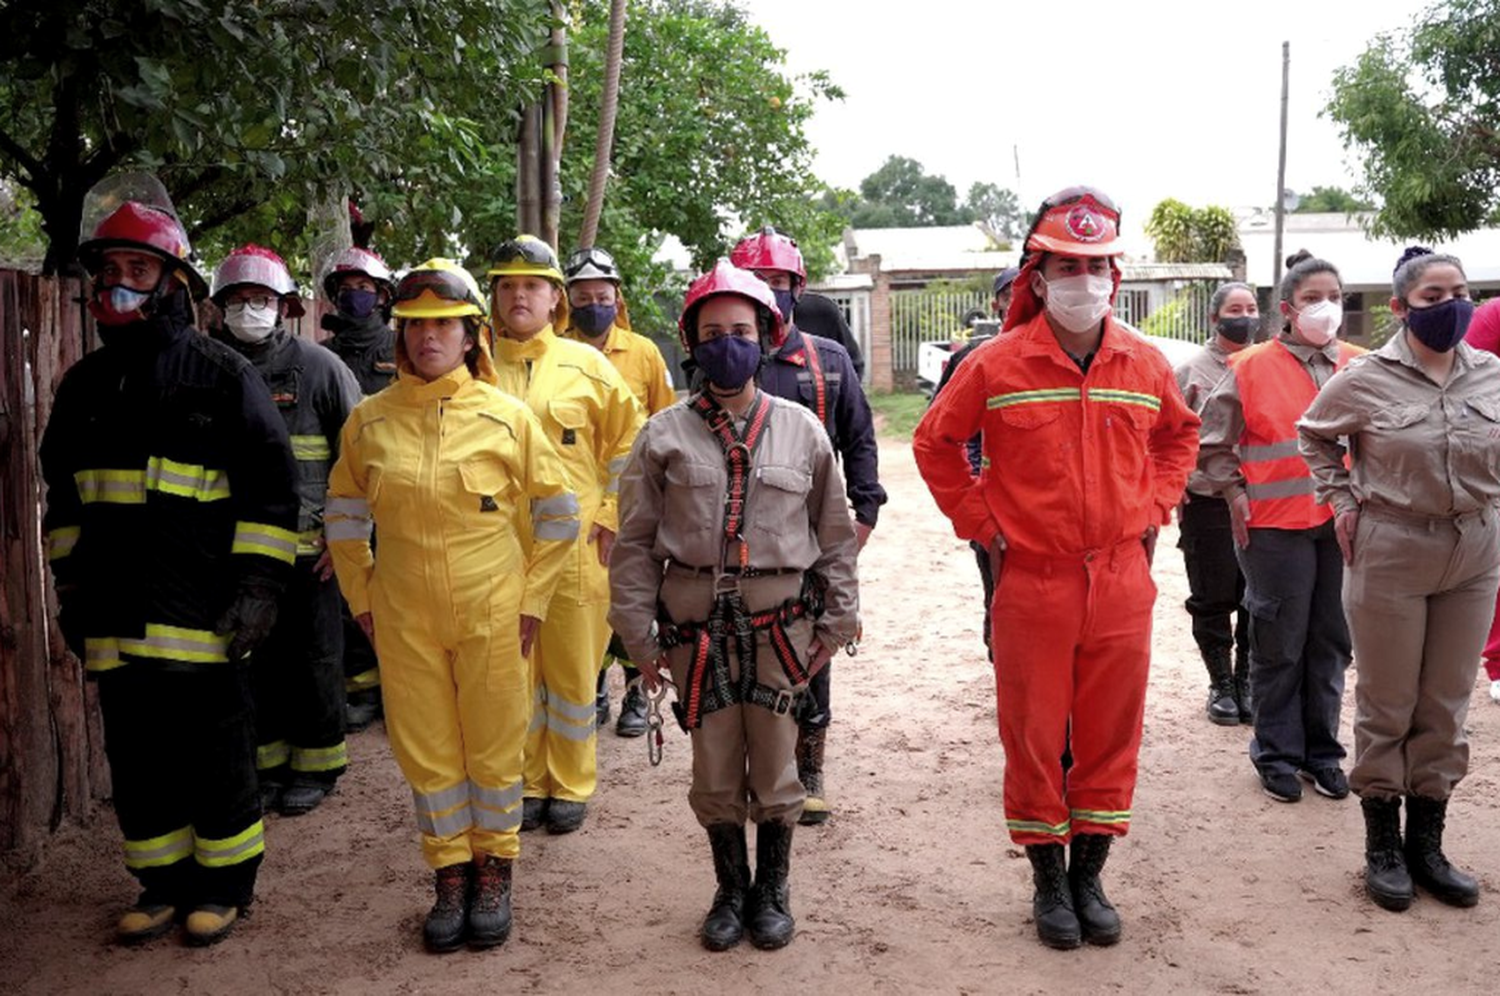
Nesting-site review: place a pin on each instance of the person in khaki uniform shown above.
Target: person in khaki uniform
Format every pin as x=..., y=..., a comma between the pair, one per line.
x=736, y=551
x=1416, y=519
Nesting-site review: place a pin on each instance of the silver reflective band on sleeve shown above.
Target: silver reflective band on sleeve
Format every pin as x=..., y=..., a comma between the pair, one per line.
x=1271, y=451
x=556, y=529
x=266, y=540
x=615, y=469
x=1280, y=489
x=354, y=508
x=565, y=504
x=555, y=518
x=335, y=530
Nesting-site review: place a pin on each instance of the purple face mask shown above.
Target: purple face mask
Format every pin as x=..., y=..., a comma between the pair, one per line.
x=728, y=361
x=1440, y=327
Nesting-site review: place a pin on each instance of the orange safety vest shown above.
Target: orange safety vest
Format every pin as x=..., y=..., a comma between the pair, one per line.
x=1275, y=391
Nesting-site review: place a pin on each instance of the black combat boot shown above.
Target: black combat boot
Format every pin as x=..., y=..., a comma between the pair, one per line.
x=725, y=924
x=1052, y=907
x=444, y=928
x=1429, y=867
x=768, y=914
x=1097, y=919
x=810, y=744
x=1242, y=688
x=489, y=911
x=1223, y=709
x=632, y=721
x=1386, y=879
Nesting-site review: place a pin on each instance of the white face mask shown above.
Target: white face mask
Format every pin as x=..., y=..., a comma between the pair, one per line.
x=1079, y=303
x=249, y=324
x=1318, y=322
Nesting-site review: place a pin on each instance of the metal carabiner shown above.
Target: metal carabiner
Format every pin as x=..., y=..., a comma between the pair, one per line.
x=655, y=741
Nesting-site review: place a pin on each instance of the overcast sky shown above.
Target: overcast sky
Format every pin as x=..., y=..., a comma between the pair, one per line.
x=1145, y=100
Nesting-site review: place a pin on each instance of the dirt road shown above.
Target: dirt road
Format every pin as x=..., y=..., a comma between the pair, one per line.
x=913, y=887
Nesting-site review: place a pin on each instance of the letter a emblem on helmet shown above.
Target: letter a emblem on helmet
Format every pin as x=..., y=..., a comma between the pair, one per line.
x=1084, y=224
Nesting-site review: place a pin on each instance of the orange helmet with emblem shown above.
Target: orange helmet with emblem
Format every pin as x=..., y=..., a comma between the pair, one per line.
x=726, y=278
x=1075, y=221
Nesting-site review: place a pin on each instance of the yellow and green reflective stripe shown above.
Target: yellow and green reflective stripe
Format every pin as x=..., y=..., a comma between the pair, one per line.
x=232, y=850
x=363, y=681
x=272, y=755
x=310, y=543
x=311, y=448
x=156, y=852
x=101, y=653
x=112, y=487
x=178, y=643
x=186, y=480
x=61, y=541
x=270, y=541
x=320, y=758
x=1035, y=826
x=984, y=463
x=1107, y=817
x=1035, y=397
x=1150, y=401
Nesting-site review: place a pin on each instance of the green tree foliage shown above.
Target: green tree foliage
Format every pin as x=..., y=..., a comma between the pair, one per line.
x=1332, y=200
x=998, y=210
x=709, y=141
x=1420, y=109
x=252, y=112
x=902, y=194
x=1184, y=234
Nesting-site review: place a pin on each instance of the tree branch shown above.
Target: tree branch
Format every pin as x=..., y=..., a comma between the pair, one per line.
x=12, y=148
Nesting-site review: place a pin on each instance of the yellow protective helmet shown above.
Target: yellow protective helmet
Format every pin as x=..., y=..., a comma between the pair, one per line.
x=438, y=288
x=525, y=255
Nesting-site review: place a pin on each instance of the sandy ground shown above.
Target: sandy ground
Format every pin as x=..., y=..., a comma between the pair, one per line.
x=912, y=887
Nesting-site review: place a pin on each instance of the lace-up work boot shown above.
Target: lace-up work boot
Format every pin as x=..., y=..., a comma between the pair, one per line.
x=1097, y=919
x=489, y=910
x=769, y=912
x=1387, y=881
x=724, y=925
x=443, y=929
x=1425, y=860
x=1052, y=906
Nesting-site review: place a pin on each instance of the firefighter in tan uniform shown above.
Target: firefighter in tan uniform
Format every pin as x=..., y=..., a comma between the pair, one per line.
x=1415, y=516
x=735, y=569
x=591, y=418
x=600, y=317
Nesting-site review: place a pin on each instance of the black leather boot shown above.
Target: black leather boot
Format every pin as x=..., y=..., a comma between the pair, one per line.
x=489, y=911
x=1052, y=907
x=1429, y=867
x=725, y=924
x=1097, y=919
x=768, y=914
x=443, y=929
x=1242, y=689
x=632, y=721
x=1223, y=709
x=810, y=745
x=1386, y=879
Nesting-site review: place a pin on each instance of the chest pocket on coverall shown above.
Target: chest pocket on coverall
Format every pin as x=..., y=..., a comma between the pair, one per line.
x=693, y=502
x=778, y=502
x=1477, y=441
x=1127, y=429
x=1030, y=429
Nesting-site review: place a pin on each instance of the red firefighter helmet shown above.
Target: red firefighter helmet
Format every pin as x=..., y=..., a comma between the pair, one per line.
x=143, y=228
x=253, y=264
x=1076, y=221
x=726, y=278
x=768, y=249
x=357, y=260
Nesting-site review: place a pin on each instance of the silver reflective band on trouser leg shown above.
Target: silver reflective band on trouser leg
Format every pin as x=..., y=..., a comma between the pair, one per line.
x=570, y=720
x=496, y=809
x=444, y=813
x=555, y=518
x=157, y=852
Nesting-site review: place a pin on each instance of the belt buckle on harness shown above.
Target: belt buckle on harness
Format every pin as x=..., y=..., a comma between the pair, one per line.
x=726, y=584
x=785, y=701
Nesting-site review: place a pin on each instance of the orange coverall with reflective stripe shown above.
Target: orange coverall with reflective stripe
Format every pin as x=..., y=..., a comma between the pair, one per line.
x=1076, y=468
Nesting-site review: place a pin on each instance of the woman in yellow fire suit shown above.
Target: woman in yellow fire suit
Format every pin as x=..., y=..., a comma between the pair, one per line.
x=591, y=417
x=444, y=464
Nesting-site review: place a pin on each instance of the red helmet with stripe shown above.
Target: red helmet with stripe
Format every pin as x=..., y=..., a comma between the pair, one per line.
x=143, y=228
x=360, y=261
x=768, y=249
x=726, y=278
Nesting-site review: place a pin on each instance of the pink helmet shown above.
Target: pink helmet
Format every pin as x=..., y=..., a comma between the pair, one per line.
x=357, y=260
x=768, y=249
x=726, y=278
x=253, y=264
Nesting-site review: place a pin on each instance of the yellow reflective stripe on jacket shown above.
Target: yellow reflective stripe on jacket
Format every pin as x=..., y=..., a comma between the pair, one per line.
x=310, y=543
x=113, y=487
x=61, y=541
x=186, y=480
x=101, y=653
x=232, y=850
x=270, y=541
x=1035, y=397
x=156, y=852
x=366, y=679
x=320, y=758
x=178, y=643
x=311, y=448
x=1150, y=401
x=272, y=755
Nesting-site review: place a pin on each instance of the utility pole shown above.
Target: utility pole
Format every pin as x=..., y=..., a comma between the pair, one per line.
x=1286, y=63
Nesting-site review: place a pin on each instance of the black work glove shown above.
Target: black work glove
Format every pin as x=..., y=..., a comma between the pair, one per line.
x=249, y=617
x=70, y=621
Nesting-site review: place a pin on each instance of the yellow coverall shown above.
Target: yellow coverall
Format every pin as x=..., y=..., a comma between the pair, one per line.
x=591, y=418
x=640, y=362
x=446, y=470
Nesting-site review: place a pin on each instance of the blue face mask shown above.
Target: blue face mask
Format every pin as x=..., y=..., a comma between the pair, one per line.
x=594, y=319
x=357, y=304
x=728, y=361
x=1440, y=327
x=785, y=302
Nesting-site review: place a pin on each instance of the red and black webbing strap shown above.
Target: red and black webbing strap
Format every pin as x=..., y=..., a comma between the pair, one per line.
x=738, y=452
x=820, y=382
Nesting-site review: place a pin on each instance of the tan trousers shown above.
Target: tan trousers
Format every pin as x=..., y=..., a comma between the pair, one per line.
x=1420, y=596
x=744, y=756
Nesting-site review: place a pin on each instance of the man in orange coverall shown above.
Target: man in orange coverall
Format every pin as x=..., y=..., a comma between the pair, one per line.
x=1087, y=446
